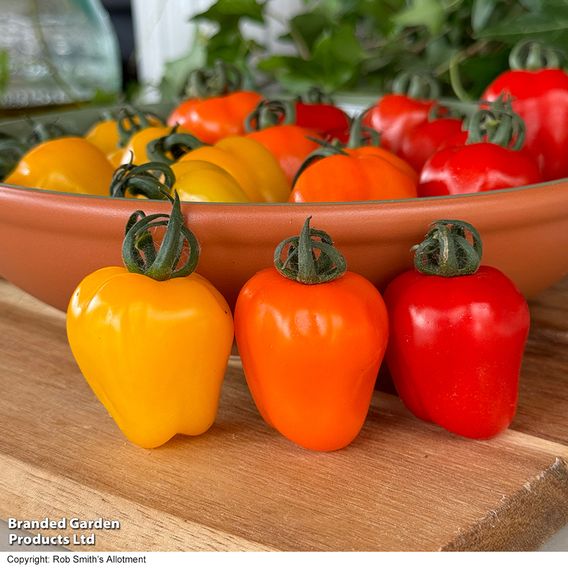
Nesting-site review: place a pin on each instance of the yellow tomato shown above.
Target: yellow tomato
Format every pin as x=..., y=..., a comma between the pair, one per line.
x=136, y=147
x=256, y=170
x=154, y=352
x=70, y=164
x=198, y=180
x=105, y=134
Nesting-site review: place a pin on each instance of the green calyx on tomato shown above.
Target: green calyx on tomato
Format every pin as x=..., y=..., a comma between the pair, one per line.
x=446, y=250
x=359, y=135
x=532, y=55
x=414, y=85
x=169, y=149
x=301, y=261
x=143, y=180
x=11, y=150
x=271, y=112
x=498, y=124
x=316, y=95
x=130, y=121
x=139, y=251
x=44, y=131
x=223, y=78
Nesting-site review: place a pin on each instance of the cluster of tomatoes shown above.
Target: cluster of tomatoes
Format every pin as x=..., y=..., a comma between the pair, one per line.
x=153, y=338
x=311, y=335
x=235, y=146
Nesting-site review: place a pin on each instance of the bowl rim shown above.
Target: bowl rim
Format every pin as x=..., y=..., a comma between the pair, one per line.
x=410, y=200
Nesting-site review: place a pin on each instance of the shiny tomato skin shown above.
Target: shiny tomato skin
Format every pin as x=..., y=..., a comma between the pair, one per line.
x=394, y=116
x=473, y=168
x=541, y=99
x=327, y=120
x=428, y=137
x=290, y=144
x=455, y=348
x=364, y=174
x=311, y=354
x=212, y=119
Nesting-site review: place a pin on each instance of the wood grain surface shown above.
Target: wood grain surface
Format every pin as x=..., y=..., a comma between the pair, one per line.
x=402, y=485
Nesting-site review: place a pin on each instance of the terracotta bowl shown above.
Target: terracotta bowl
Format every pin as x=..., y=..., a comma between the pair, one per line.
x=51, y=240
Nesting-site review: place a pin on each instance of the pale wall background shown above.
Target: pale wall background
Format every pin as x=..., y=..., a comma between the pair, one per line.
x=162, y=31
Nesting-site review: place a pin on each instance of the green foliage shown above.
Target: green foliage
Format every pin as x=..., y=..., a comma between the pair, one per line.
x=4, y=69
x=363, y=44
x=226, y=43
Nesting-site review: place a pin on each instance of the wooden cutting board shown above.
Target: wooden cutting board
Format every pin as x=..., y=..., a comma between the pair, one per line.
x=402, y=485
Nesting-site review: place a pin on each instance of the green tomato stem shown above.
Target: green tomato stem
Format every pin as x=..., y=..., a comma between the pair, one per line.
x=446, y=250
x=271, y=113
x=533, y=55
x=169, y=149
x=143, y=180
x=139, y=252
x=301, y=262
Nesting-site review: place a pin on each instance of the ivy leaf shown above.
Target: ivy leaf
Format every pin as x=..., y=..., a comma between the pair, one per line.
x=334, y=63
x=526, y=25
x=543, y=5
x=481, y=12
x=429, y=13
x=293, y=73
x=308, y=26
x=176, y=72
x=339, y=45
x=224, y=10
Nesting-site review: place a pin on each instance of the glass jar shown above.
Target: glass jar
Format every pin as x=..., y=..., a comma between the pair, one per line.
x=57, y=51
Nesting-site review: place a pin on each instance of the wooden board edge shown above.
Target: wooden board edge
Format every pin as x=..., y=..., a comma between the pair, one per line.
x=526, y=519
x=29, y=492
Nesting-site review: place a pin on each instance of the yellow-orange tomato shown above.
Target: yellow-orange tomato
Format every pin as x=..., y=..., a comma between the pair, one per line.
x=256, y=170
x=136, y=149
x=290, y=144
x=105, y=134
x=198, y=180
x=154, y=352
x=70, y=164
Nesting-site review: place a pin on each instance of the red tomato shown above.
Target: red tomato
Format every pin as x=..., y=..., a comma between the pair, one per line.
x=394, y=116
x=428, y=137
x=476, y=167
x=541, y=99
x=456, y=346
x=327, y=120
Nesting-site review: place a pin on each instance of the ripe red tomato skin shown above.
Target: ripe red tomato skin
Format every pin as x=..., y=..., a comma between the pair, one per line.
x=311, y=354
x=428, y=137
x=455, y=348
x=327, y=120
x=541, y=99
x=476, y=167
x=394, y=116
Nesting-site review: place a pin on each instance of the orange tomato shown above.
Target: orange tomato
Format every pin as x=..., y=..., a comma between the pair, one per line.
x=290, y=144
x=311, y=353
x=359, y=174
x=213, y=118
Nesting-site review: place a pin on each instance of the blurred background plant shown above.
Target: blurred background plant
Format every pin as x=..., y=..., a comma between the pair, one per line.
x=360, y=45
